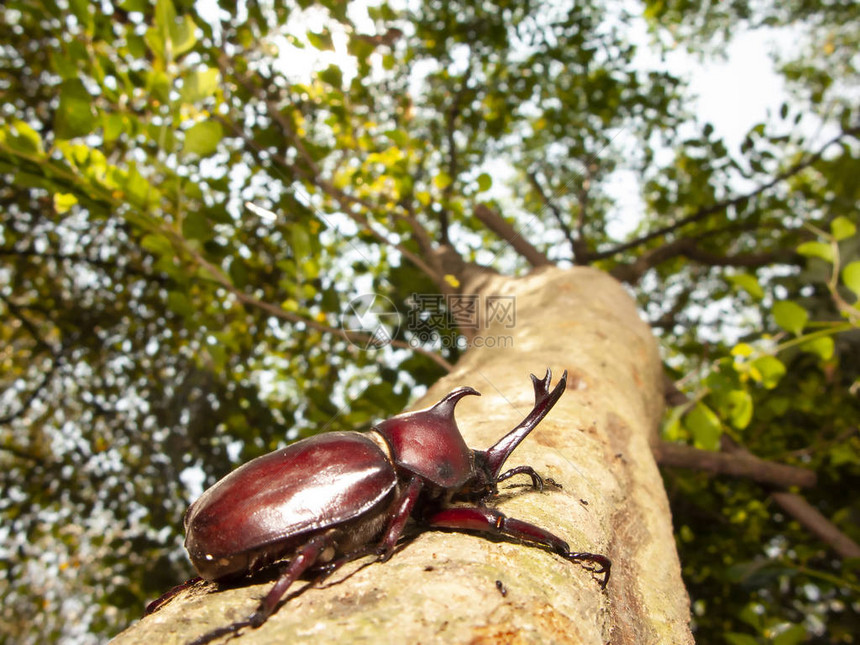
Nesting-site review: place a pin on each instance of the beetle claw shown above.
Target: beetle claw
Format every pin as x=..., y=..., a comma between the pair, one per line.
x=602, y=564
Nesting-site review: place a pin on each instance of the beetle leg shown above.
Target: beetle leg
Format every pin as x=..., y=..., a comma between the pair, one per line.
x=489, y=520
x=537, y=480
x=401, y=510
x=156, y=604
x=304, y=558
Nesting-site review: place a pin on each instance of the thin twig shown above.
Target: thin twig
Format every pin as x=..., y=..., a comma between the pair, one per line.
x=556, y=212
x=707, y=211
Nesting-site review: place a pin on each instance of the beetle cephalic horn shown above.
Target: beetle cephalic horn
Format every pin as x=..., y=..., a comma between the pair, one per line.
x=446, y=406
x=544, y=401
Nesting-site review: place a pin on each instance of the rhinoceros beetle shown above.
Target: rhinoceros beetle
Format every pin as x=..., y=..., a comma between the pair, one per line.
x=333, y=497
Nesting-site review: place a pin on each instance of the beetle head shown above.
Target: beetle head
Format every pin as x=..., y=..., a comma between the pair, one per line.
x=428, y=442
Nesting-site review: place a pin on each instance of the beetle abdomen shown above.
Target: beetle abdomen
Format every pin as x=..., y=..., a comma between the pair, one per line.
x=259, y=511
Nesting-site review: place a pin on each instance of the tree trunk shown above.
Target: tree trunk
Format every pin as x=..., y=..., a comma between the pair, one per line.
x=441, y=587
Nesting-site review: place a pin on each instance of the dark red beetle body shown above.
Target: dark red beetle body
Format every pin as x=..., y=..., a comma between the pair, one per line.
x=348, y=494
x=264, y=509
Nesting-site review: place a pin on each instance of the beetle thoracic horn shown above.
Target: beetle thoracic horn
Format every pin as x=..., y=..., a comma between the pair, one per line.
x=544, y=401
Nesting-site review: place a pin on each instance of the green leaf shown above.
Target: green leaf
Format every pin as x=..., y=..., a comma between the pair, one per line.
x=22, y=138
x=196, y=226
x=736, y=638
x=178, y=303
x=183, y=36
x=301, y=243
x=823, y=347
x=816, y=250
x=740, y=408
x=158, y=85
x=767, y=370
x=158, y=244
x=748, y=283
x=442, y=180
x=333, y=76
x=842, y=228
x=485, y=182
x=321, y=40
x=202, y=138
x=114, y=125
x=170, y=37
x=791, y=636
x=199, y=85
x=851, y=277
x=790, y=316
x=75, y=115
x=238, y=272
x=704, y=426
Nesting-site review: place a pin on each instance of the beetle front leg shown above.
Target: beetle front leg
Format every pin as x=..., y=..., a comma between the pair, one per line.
x=537, y=480
x=488, y=520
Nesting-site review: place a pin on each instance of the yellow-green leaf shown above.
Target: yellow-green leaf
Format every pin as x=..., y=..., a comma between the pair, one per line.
x=182, y=35
x=851, y=277
x=740, y=410
x=822, y=346
x=321, y=40
x=842, y=228
x=442, y=180
x=748, y=283
x=22, y=138
x=485, y=182
x=816, y=250
x=704, y=426
x=790, y=316
x=202, y=138
x=199, y=85
x=75, y=114
x=742, y=349
x=767, y=370
x=63, y=202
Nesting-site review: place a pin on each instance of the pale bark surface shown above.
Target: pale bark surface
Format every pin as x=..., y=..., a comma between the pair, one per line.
x=441, y=587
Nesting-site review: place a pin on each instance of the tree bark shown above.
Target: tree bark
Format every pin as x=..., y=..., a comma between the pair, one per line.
x=441, y=587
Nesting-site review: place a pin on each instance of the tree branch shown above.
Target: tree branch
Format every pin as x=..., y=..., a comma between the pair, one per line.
x=451, y=115
x=804, y=513
x=278, y=312
x=747, y=466
x=493, y=221
x=689, y=248
x=814, y=522
x=107, y=265
x=55, y=354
